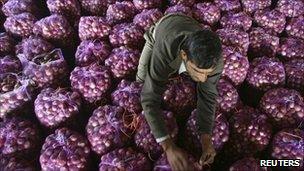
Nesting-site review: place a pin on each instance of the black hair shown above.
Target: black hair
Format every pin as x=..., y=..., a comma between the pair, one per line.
x=203, y=48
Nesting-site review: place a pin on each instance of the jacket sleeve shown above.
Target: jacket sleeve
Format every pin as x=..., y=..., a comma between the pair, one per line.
x=206, y=101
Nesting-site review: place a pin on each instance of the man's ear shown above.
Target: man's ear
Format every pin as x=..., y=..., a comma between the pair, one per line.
x=183, y=55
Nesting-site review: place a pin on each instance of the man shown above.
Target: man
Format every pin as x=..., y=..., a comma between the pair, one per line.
x=178, y=43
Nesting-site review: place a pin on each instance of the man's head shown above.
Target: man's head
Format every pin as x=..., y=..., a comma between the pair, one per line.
x=201, y=51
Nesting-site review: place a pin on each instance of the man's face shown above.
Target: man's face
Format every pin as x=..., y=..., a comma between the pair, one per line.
x=197, y=74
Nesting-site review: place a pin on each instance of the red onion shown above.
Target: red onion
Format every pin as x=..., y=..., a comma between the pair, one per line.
x=46, y=69
x=188, y=3
x=123, y=61
x=107, y=129
x=65, y=150
x=20, y=25
x=291, y=48
x=147, y=4
x=237, y=20
x=295, y=74
x=96, y=7
x=270, y=19
x=295, y=27
x=127, y=95
x=15, y=7
x=147, y=18
x=92, y=51
x=93, y=27
x=10, y=64
x=92, y=82
x=285, y=107
x=67, y=8
x=265, y=73
x=6, y=44
x=248, y=163
x=124, y=159
x=292, y=8
x=179, y=9
x=18, y=137
x=250, y=6
x=228, y=5
x=228, y=97
x=121, y=12
x=206, y=12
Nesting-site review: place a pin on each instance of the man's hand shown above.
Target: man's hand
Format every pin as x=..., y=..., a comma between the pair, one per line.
x=177, y=158
x=208, y=150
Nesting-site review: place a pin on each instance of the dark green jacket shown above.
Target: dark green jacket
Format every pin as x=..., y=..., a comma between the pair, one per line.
x=170, y=33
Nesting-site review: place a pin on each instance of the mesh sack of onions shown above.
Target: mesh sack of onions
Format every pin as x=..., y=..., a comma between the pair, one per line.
x=121, y=12
x=144, y=139
x=56, y=29
x=265, y=73
x=254, y=128
x=291, y=48
x=228, y=97
x=18, y=137
x=228, y=5
x=147, y=4
x=92, y=82
x=91, y=51
x=15, y=7
x=108, y=129
x=67, y=8
x=206, y=12
x=10, y=64
x=65, y=150
x=16, y=163
x=53, y=107
x=46, y=70
x=33, y=46
x=295, y=27
x=15, y=93
x=162, y=164
x=236, y=65
x=188, y=3
x=250, y=6
x=248, y=163
x=124, y=159
x=127, y=34
x=239, y=20
x=20, y=25
x=292, y=8
x=179, y=9
x=127, y=95
x=288, y=144
x=6, y=44
x=179, y=94
x=235, y=38
x=270, y=19
x=147, y=18
x=295, y=74
x=263, y=43
x=123, y=61
x=220, y=133
x=93, y=27
x=285, y=107
x=96, y=8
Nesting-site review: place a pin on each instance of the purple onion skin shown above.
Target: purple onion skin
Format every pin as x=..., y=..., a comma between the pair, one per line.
x=15, y=7
x=127, y=95
x=124, y=159
x=228, y=5
x=54, y=107
x=295, y=27
x=295, y=74
x=15, y=92
x=67, y=8
x=147, y=4
x=179, y=9
x=162, y=164
x=16, y=163
x=96, y=8
x=121, y=12
x=239, y=20
x=65, y=150
x=266, y=73
x=107, y=130
x=188, y=3
x=207, y=12
x=10, y=64
x=144, y=138
x=92, y=51
x=263, y=43
x=291, y=48
x=92, y=82
x=250, y=6
x=20, y=25
x=284, y=107
x=248, y=163
x=46, y=70
x=123, y=61
x=270, y=19
x=147, y=18
x=18, y=137
x=228, y=97
x=6, y=44
x=236, y=65
x=291, y=8
x=33, y=46
x=93, y=27
x=220, y=133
